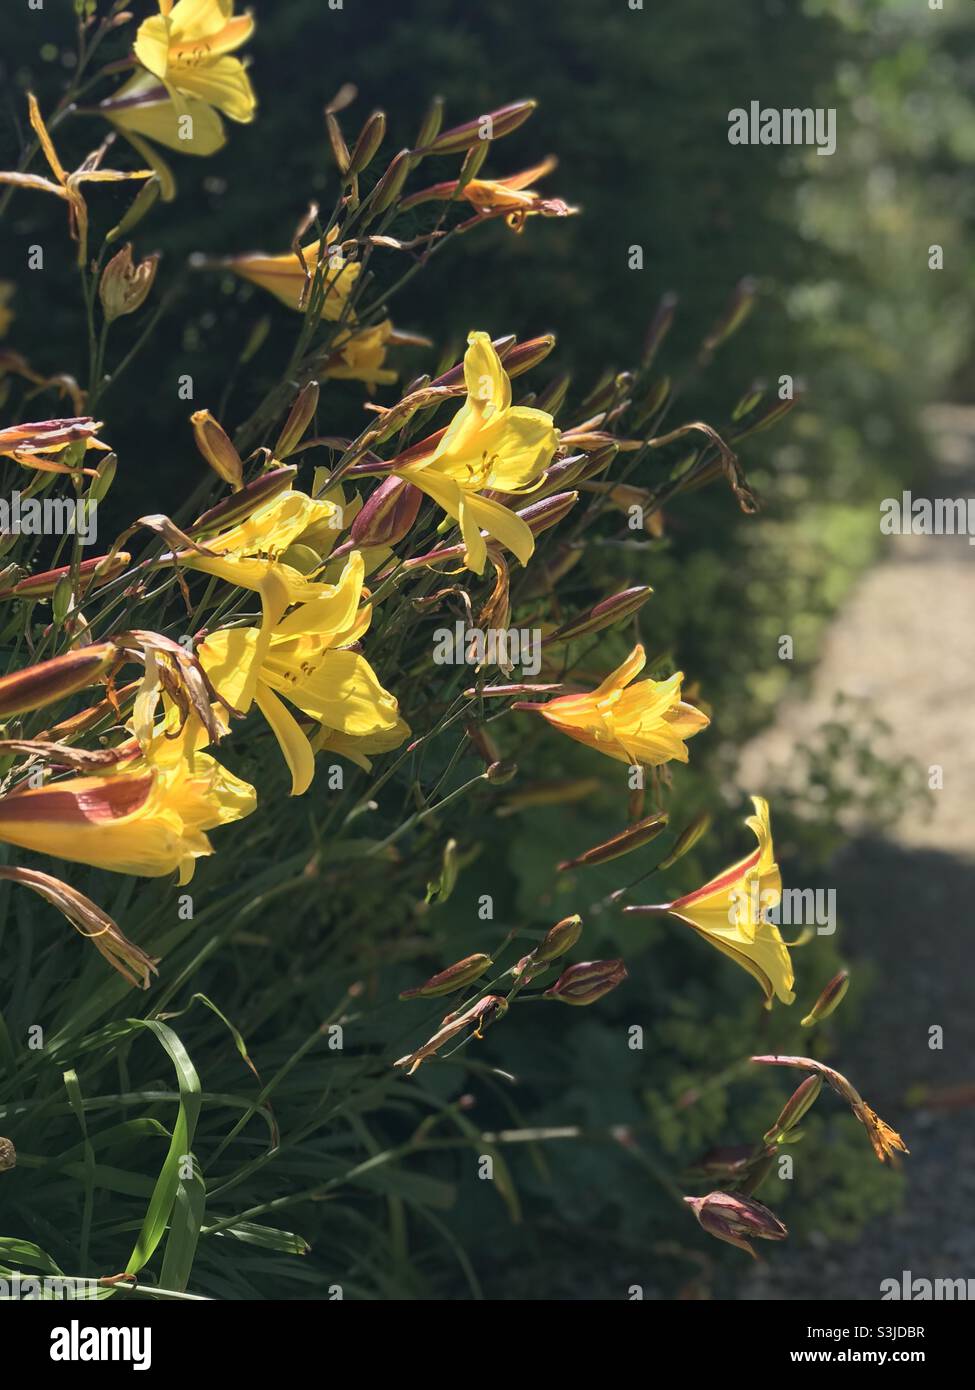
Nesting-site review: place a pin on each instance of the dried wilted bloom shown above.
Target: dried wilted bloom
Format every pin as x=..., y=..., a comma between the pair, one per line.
x=37, y=443
x=884, y=1140
x=89, y=919
x=478, y=1017
x=512, y=197
x=124, y=285
x=8, y=1155
x=735, y=1219
x=68, y=186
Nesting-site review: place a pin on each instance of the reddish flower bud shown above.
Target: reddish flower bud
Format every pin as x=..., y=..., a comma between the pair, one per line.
x=234, y=509
x=602, y=614
x=99, y=570
x=390, y=186
x=370, y=138
x=588, y=981
x=548, y=512
x=490, y=126
x=803, y=1098
x=387, y=514
x=830, y=999
x=557, y=940
x=305, y=405
x=734, y=1219
x=216, y=447
x=633, y=837
x=55, y=679
x=456, y=976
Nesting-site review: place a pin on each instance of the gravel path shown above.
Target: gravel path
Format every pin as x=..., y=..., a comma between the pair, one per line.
x=906, y=642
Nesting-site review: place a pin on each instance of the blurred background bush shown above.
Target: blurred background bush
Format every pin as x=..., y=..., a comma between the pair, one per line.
x=636, y=103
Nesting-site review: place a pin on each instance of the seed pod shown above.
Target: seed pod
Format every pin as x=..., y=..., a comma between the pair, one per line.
x=586, y=982
x=455, y=977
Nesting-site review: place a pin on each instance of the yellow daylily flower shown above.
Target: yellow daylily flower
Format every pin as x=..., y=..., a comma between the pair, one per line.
x=731, y=910
x=289, y=276
x=358, y=747
x=359, y=356
x=489, y=446
x=266, y=541
x=307, y=658
x=646, y=723
x=187, y=47
x=68, y=186
x=148, y=816
x=143, y=111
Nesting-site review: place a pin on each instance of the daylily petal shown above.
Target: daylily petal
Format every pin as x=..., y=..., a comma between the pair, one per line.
x=292, y=741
